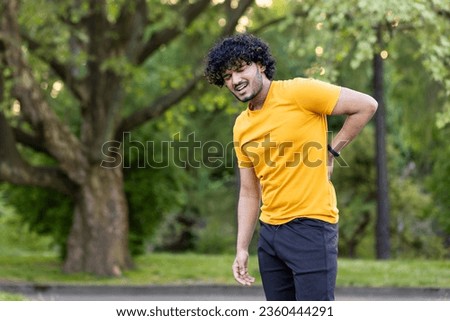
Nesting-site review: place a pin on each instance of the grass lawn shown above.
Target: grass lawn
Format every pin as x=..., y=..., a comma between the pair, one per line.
x=11, y=297
x=184, y=269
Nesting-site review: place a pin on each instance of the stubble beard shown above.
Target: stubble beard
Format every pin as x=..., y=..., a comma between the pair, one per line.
x=248, y=98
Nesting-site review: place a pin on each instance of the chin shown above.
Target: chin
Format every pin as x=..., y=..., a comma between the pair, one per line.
x=247, y=99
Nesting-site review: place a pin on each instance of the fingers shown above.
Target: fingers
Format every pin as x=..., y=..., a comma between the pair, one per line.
x=241, y=275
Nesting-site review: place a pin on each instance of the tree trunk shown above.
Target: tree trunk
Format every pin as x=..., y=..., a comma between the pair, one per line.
x=383, y=247
x=98, y=241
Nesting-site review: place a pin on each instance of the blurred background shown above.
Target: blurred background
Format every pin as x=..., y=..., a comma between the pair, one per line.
x=113, y=146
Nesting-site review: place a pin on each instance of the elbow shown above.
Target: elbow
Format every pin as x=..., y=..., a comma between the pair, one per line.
x=372, y=105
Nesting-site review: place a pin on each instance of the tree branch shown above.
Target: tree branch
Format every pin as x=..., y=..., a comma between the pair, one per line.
x=57, y=138
x=63, y=71
x=30, y=141
x=443, y=13
x=157, y=108
x=189, y=14
x=15, y=170
x=274, y=21
x=130, y=26
x=163, y=103
x=233, y=16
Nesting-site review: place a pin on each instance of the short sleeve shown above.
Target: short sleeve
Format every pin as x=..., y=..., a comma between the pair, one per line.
x=242, y=159
x=317, y=96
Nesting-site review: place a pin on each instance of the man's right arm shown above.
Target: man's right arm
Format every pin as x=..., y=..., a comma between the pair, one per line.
x=248, y=212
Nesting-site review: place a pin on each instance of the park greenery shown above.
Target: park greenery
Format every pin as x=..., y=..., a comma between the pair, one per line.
x=113, y=145
x=213, y=269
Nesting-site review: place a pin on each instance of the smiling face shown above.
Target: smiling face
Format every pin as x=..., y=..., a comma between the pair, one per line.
x=245, y=81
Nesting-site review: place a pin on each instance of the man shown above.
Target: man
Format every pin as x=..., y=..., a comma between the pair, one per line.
x=285, y=162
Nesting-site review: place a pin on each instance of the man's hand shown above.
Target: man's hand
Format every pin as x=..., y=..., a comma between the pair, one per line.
x=240, y=269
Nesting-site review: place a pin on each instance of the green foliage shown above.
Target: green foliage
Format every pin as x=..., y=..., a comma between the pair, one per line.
x=414, y=234
x=4, y=296
x=205, y=220
x=417, y=88
x=192, y=268
x=415, y=230
x=16, y=237
x=217, y=233
x=396, y=273
x=152, y=194
x=438, y=183
x=354, y=180
x=40, y=211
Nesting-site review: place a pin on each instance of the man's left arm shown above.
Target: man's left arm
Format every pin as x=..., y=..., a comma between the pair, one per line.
x=359, y=108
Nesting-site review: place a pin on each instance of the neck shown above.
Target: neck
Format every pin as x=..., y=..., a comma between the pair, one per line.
x=258, y=101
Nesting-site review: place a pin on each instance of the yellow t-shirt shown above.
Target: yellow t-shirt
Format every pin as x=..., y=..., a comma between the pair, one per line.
x=286, y=144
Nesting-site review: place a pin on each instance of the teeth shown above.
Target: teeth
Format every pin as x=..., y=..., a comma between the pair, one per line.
x=240, y=87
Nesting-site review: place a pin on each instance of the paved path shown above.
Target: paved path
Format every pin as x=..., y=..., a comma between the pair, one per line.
x=206, y=293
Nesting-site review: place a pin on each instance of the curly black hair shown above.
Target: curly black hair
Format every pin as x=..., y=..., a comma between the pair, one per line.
x=233, y=52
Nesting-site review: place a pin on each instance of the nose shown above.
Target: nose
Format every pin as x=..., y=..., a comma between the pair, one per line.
x=235, y=78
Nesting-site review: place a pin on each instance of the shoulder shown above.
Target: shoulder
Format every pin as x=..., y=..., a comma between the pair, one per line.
x=241, y=117
x=307, y=88
x=313, y=95
x=240, y=120
x=292, y=85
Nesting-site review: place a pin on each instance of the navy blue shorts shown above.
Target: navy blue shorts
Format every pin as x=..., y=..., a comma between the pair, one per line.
x=298, y=260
